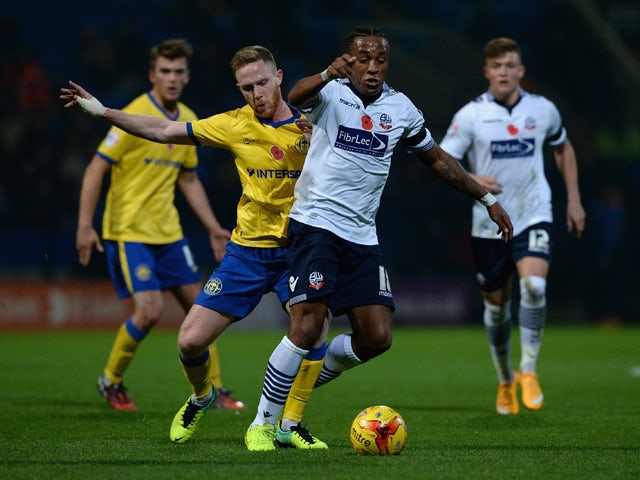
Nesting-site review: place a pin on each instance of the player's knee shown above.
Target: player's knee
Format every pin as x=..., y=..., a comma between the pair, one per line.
x=495, y=315
x=533, y=291
x=383, y=344
x=375, y=343
x=148, y=314
x=307, y=329
x=189, y=345
x=373, y=351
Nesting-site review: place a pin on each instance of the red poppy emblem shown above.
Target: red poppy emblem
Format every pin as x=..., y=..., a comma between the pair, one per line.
x=276, y=152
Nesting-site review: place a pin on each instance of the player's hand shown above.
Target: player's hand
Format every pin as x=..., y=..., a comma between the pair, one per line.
x=501, y=218
x=218, y=241
x=86, y=239
x=341, y=66
x=306, y=127
x=491, y=184
x=76, y=95
x=576, y=218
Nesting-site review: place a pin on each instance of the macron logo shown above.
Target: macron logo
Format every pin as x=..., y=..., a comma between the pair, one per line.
x=292, y=283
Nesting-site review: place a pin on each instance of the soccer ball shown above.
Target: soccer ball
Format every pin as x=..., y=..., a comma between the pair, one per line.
x=378, y=430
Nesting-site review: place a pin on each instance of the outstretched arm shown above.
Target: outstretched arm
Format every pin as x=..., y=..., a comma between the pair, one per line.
x=149, y=127
x=305, y=91
x=449, y=169
x=565, y=157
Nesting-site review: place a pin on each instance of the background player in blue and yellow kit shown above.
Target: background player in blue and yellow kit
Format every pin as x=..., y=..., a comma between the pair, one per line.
x=143, y=240
x=269, y=149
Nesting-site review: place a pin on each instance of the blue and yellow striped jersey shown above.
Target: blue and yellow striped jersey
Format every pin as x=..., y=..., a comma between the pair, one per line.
x=269, y=157
x=140, y=201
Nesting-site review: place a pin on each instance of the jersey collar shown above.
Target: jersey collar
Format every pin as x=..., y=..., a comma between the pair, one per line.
x=296, y=115
x=522, y=93
x=367, y=99
x=161, y=108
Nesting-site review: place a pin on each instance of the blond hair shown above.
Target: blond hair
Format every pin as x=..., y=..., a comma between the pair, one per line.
x=251, y=54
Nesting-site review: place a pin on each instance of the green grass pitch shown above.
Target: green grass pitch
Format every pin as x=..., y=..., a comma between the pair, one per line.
x=53, y=424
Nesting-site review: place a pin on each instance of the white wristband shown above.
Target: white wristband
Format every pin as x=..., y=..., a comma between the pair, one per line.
x=92, y=106
x=488, y=200
x=325, y=75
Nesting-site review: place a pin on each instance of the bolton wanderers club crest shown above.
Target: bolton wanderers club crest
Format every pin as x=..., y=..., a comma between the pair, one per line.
x=316, y=280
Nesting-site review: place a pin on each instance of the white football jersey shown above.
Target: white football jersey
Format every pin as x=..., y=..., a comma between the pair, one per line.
x=349, y=159
x=508, y=144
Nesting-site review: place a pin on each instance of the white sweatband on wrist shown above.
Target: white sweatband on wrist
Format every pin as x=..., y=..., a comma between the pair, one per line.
x=91, y=106
x=488, y=200
x=324, y=75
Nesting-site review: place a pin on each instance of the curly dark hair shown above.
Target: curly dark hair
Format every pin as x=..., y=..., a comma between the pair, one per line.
x=364, y=31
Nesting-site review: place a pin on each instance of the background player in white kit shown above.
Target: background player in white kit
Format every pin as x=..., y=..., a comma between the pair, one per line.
x=335, y=261
x=502, y=133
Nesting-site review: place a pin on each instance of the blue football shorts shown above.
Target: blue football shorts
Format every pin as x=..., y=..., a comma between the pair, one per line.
x=321, y=264
x=135, y=267
x=495, y=261
x=244, y=276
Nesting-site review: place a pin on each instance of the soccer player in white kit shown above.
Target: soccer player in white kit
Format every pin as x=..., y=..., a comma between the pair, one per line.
x=502, y=133
x=335, y=261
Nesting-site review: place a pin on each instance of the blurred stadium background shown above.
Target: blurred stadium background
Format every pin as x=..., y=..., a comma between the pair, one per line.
x=584, y=55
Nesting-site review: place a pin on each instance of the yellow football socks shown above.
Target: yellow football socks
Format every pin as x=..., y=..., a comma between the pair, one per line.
x=123, y=350
x=197, y=371
x=301, y=390
x=214, y=368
